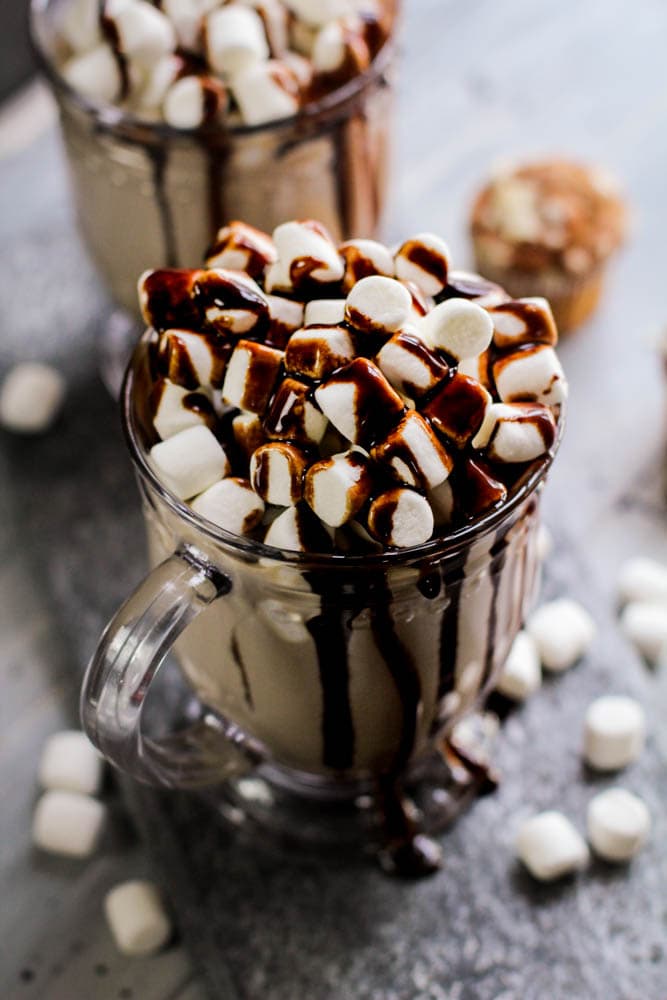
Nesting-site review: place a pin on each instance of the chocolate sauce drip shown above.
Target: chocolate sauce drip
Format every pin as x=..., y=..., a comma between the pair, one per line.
x=465, y=285
x=426, y=259
x=217, y=156
x=169, y=301
x=449, y=629
x=429, y=584
x=158, y=157
x=245, y=680
x=110, y=35
x=198, y=403
x=497, y=557
x=341, y=173
x=476, y=488
x=406, y=852
x=457, y=408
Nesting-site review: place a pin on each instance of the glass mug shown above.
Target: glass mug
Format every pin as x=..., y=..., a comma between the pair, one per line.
x=331, y=678
x=148, y=195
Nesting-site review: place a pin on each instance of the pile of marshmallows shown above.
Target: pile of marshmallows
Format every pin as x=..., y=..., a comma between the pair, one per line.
x=371, y=392
x=69, y=821
x=191, y=62
x=556, y=635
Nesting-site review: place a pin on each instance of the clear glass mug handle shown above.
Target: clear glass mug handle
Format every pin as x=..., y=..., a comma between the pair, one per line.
x=124, y=665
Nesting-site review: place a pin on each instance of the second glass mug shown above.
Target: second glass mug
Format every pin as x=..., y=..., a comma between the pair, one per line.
x=331, y=677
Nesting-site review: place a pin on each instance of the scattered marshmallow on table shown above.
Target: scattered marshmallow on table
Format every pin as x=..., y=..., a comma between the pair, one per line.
x=30, y=398
x=137, y=917
x=618, y=824
x=459, y=327
x=642, y=579
x=521, y=675
x=424, y=260
x=378, y=305
x=70, y=762
x=644, y=623
x=190, y=461
x=550, y=846
x=67, y=823
x=563, y=631
x=614, y=732
x=231, y=504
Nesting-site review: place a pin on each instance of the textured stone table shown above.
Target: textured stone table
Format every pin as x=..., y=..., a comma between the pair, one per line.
x=479, y=80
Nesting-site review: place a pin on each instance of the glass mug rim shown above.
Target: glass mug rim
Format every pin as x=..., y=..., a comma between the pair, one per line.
x=433, y=550
x=119, y=119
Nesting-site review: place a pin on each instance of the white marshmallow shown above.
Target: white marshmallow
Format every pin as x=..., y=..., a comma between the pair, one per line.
x=95, y=74
x=266, y=92
x=286, y=317
x=424, y=260
x=190, y=359
x=79, y=24
x=248, y=432
x=614, y=732
x=521, y=675
x=292, y=415
x=324, y=312
x=276, y=473
x=315, y=352
x=171, y=416
x=523, y=321
x=231, y=504
x=531, y=374
x=190, y=461
x=187, y=17
x=414, y=454
x=642, y=579
x=378, y=305
x=550, y=847
x=319, y=12
x=477, y=368
x=235, y=39
x=70, y=762
x=232, y=301
x=459, y=327
x=240, y=247
x=338, y=487
x=303, y=248
x=410, y=365
x=563, y=631
x=645, y=625
x=441, y=500
x=359, y=401
x=401, y=518
x=144, y=33
x=618, y=824
x=157, y=81
x=545, y=542
x=457, y=408
x=298, y=530
x=341, y=44
x=137, y=918
x=364, y=258
x=67, y=823
x=516, y=432
x=251, y=374
x=183, y=105
x=31, y=397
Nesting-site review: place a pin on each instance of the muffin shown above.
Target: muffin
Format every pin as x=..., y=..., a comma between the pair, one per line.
x=548, y=229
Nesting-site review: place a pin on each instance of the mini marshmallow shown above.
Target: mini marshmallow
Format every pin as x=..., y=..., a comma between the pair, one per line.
x=644, y=623
x=248, y=433
x=318, y=12
x=468, y=285
x=337, y=488
x=614, y=732
x=477, y=489
x=193, y=100
x=68, y=823
x=306, y=252
x=359, y=402
x=421, y=304
x=187, y=17
x=340, y=46
x=137, y=918
x=276, y=473
x=31, y=396
x=324, y=312
x=144, y=32
x=618, y=824
x=171, y=412
x=413, y=453
x=532, y=374
x=378, y=305
x=167, y=298
x=550, y=846
x=292, y=415
x=521, y=675
x=194, y=359
x=95, y=74
x=157, y=81
x=235, y=39
x=316, y=352
x=231, y=504
x=424, y=260
x=477, y=368
x=266, y=92
x=441, y=500
x=79, y=24
x=70, y=762
x=458, y=408
x=364, y=258
x=298, y=530
x=251, y=375
x=642, y=579
x=563, y=631
x=411, y=367
x=523, y=321
x=286, y=316
x=400, y=518
x=190, y=461
x=231, y=301
x=460, y=328
x=240, y=247
x=516, y=432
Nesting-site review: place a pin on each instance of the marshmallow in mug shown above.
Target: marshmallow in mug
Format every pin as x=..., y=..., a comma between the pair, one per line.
x=240, y=247
x=194, y=100
x=336, y=488
x=276, y=472
x=423, y=260
x=364, y=258
x=305, y=253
